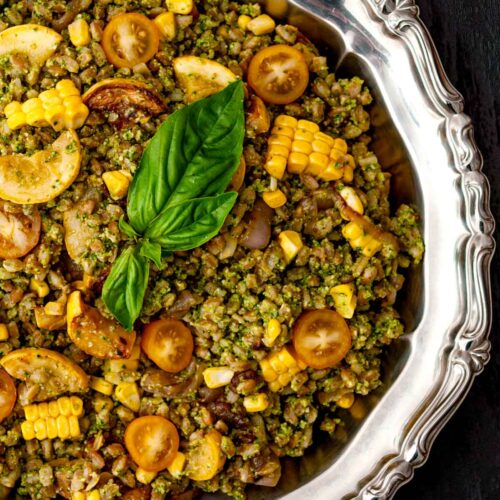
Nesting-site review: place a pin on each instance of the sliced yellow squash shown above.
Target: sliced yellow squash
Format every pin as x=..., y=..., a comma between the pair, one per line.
x=37, y=42
x=49, y=373
x=200, y=77
x=43, y=176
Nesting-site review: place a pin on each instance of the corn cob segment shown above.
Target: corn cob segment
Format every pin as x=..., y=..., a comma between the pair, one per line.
x=279, y=367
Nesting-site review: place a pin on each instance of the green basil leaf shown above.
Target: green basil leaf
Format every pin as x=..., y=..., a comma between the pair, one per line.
x=191, y=223
x=194, y=154
x=127, y=229
x=124, y=288
x=151, y=250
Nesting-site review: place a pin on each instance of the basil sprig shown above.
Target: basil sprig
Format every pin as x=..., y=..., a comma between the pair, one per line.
x=177, y=199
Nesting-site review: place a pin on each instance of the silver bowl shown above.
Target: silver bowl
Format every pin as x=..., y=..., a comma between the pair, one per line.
x=425, y=140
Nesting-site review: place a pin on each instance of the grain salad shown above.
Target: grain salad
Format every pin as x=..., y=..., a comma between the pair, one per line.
x=199, y=260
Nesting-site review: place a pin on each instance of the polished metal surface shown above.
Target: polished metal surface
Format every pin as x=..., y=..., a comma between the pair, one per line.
x=425, y=140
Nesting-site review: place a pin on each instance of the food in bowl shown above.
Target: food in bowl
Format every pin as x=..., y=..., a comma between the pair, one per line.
x=200, y=263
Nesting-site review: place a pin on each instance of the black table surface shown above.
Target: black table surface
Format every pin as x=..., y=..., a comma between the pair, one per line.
x=464, y=463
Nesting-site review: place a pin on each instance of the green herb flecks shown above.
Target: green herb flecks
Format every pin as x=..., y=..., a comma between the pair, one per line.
x=177, y=200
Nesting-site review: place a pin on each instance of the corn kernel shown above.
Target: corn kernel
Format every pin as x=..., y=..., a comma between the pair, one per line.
x=303, y=135
x=280, y=140
x=31, y=105
x=261, y=25
x=218, y=376
x=275, y=386
x=4, y=332
x=268, y=372
x=17, y=120
x=144, y=476
x=127, y=393
x=286, y=359
x=51, y=428
x=50, y=98
x=119, y=365
x=286, y=121
x=177, y=465
x=317, y=163
x=79, y=33
x=340, y=145
x=352, y=231
x=117, y=183
x=284, y=379
x=94, y=495
x=272, y=332
x=321, y=147
x=348, y=173
x=243, y=22
x=337, y=156
x=64, y=406
x=282, y=130
x=78, y=495
x=331, y=172
x=309, y=126
x=344, y=299
x=291, y=243
x=275, y=363
x=166, y=25
x=256, y=402
x=180, y=6
x=55, y=308
x=370, y=246
x=74, y=426
x=53, y=409
x=352, y=199
x=102, y=386
x=297, y=163
x=28, y=430
x=31, y=412
x=274, y=199
x=301, y=147
x=12, y=108
x=62, y=427
x=43, y=410
x=76, y=406
x=66, y=88
x=40, y=427
x=39, y=287
x=276, y=166
x=55, y=116
x=277, y=150
x=351, y=161
x=320, y=136
x=36, y=118
x=346, y=401
x=75, y=116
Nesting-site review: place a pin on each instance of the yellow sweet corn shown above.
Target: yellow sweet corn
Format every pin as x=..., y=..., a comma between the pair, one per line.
x=256, y=402
x=243, y=22
x=344, y=299
x=274, y=199
x=279, y=367
x=58, y=418
x=79, y=33
x=180, y=6
x=93, y=495
x=177, y=465
x=55, y=308
x=272, y=332
x=261, y=25
x=101, y=385
x=117, y=183
x=144, y=476
x=81, y=495
x=359, y=240
x=127, y=393
x=4, y=332
x=346, y=401
x=217, y=376
x=352, y=199
x=304, y=148
x=58, y=107
x=291, y=243
x=166, y=25
x=119, y=365
x=39, y=287
x=78, y=495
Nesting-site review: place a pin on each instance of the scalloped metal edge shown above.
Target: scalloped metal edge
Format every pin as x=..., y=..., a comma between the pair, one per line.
x=468, y=350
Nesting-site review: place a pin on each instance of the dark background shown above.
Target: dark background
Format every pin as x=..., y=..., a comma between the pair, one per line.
x=464, y=463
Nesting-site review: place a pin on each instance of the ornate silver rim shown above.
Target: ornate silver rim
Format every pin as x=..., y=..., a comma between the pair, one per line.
x=468, y=353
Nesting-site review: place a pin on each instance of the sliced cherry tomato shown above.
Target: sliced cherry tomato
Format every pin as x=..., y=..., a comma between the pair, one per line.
x=205, y=458
x=8, y=394
x=130, y=39
x=321, y=338
x=278, y=74
x=169, y=343
x=152, y=442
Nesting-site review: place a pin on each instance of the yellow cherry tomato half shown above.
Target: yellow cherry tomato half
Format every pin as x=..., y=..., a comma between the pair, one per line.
x=130, y=39
x=321, y=338
x=8, y=394
x=152, y=442
x=278, y=74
